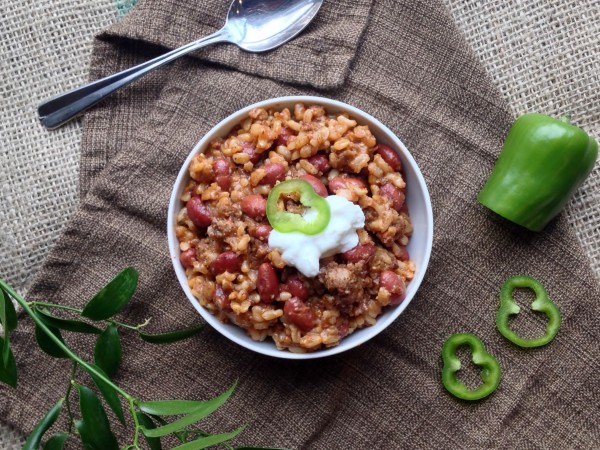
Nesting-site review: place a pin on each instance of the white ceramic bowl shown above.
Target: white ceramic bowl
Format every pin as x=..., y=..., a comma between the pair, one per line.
x=417, y=198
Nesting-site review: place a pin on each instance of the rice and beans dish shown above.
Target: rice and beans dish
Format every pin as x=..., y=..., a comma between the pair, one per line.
x=223, y=230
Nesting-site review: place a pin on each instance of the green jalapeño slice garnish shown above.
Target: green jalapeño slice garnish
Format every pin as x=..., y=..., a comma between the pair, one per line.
x=285, y=222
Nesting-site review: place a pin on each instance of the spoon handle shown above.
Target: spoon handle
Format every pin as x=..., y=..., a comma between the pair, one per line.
x=58, y=110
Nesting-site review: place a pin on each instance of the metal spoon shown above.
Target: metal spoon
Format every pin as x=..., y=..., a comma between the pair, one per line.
x=253, y=25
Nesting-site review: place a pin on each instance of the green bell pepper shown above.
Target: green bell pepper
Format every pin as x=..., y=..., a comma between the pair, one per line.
x=542, y=163
x=490, y=373
x=541, y=303
x=313, y=222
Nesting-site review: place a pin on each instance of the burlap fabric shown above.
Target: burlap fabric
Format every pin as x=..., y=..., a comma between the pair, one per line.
x=444, y=108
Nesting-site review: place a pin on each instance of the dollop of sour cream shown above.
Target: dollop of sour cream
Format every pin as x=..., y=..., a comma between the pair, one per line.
x=304, y=251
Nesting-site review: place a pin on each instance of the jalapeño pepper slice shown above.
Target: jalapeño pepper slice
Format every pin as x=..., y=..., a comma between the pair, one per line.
x=490, y=372
x=312, y=222
x=509, y=307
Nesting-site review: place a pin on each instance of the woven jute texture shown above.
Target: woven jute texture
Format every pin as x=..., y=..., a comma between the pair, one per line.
x=45, y=49
x=542, y=55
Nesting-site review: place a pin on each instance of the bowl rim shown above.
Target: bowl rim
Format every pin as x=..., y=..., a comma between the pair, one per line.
x=246, y=341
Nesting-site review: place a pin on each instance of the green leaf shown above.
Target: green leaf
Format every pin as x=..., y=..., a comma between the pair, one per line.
x=170, y=407
x=204, y=442
x=34, y=439
x=46, y=343
x=57, y=441
x=184, y=435
x=109, y=394
x=191, y=434
x=95, y=429
x=181, y=436
x=108, y=352
x=67, y=324
x=8, y=372
x=87, y=436
x=176, y=407
x=8, y=315
x=113, y=297
x=146, y=422
x=171, y=336
x=202, y=410
x=8, y=320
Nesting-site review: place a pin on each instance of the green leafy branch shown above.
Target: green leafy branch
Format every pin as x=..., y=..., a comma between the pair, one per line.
x=90, y=423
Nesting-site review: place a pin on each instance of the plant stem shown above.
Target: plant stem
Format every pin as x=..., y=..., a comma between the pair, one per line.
x=67, y=394
x=136, y=423
x=90, y=369
x=79, y=311
x=53, y=305
x=135, y=327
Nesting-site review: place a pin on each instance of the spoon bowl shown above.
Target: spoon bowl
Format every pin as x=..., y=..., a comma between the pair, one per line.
x=259, y=26
x=253, y=25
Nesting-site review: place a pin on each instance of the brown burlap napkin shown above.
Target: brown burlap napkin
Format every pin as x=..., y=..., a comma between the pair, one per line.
x=405, y=63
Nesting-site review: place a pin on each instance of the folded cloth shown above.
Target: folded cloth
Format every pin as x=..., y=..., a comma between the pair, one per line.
x=406, y=63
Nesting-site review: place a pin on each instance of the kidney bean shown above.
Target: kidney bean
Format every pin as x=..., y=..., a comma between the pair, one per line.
x=356, y=183
x=226, y=262
x=224, y=182
x=222, y=171
x=221, y=167
x=317, y=184
x=342, y=327
x=296, y=287
x=389, y=156
x=262, y=231
x=338, y=183
x=284, y=137
x=321, y=162
x=267, y=283
x=297, y=312
x=274, y=172
x=362, y=252
x=404, y=255
x=250, y=149
x=188, y=258
x=198, y=212
x=394, y=285
x=254, y=206
x=394, y=195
